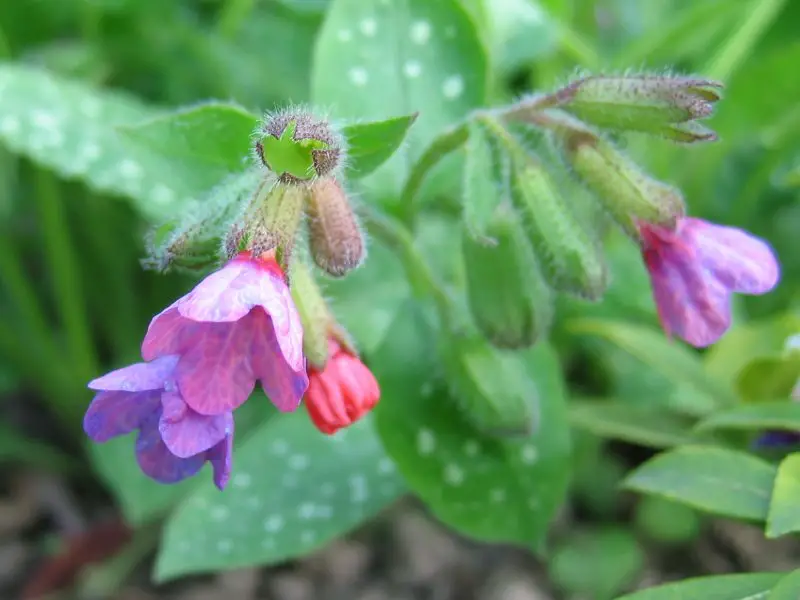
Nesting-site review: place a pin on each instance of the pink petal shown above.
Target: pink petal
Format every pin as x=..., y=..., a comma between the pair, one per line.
x=221, y=457
x=186, y=432
x=138, y=377
x=214, y=375
x=282, y=384
x=157, y=462
x=742, y=262
x=168, y=333
x=118, y=413
x=226, y=295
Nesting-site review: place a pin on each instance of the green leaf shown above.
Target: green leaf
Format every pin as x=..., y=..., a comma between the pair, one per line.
x=399, y=57
x=208, y=136
x=669, y=358
x=784, y=513
x=488, y=488
x=769, y=377
x=752, y=586
x=788, y=588
x=293, y=490
x=667, y=522
x=714, y=480
x=651, y=427
x=520, y=31
x=597, y=564
x=781, y=414
x=17, y=448
x=372, y=144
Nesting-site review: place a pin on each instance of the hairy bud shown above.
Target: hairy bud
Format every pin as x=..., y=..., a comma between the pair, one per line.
x=191, y=249
x=627, y=192
x=335, y=238
x=572, y=260
x=510, y=302
x=661, y=105
x=298, y=147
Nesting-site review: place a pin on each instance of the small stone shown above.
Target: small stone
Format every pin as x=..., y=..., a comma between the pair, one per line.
x=341, y=564
x=291, y=586
x=512, y=584
x=425, y=550
x=241, y=584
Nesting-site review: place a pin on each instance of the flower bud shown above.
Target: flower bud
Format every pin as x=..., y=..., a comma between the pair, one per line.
x=507, y=295
x=298, y=147
x=571, y=259
x=627, y=192
x=659, y=105
x=493, y=386
x=193, y=248
x=335, y=238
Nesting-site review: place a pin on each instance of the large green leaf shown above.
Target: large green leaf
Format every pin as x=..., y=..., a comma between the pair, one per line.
x=788, y=588
x=750, y=586
x=486, y=487
x=714, y=480
x=372, y=144
x=293, y=490
x=784, y=512
x=763, y=415
x=379, y=57
x=769, y=377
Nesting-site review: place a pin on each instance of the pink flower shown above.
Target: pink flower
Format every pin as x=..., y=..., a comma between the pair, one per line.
x=696, y=267
x=174, y=441
x=342, y=392
x=237, y=326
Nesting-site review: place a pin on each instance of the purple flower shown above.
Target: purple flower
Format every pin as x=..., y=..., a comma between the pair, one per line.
x=237, y=326
x=174, y=441
x=695, y=267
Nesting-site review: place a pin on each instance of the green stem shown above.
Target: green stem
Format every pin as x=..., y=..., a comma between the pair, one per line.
x=233, y=14
x=65, y=275
x=423, y=281
x=741, y=43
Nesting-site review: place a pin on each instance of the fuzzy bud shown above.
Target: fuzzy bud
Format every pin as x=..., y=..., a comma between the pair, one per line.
x=661, y=105
x=627, y=192
x=298, y=147
x=193, y=249
x=335, y=238
x=510, y=302
x=571, y=258
x=493, y=387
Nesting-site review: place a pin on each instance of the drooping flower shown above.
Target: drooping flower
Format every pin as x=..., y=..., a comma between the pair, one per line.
x=695, y=267
x=174, y=441
x=341, y=392
x=237, y=326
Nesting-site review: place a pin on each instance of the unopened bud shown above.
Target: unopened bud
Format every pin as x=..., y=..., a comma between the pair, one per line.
x=335, y=238
x=626, y=191
x=571, y=258
x=195, y=248
x=493, y=387
x=298, y=147
x=510, y=302
x=661, y=105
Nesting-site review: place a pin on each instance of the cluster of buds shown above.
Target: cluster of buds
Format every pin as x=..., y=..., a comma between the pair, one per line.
x=257, y=318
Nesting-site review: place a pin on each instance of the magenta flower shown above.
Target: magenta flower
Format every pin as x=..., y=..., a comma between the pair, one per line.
x=174, y=441
x=696, y=267
x=237, y=326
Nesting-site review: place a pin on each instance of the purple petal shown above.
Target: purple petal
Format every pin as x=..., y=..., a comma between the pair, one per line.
x=776, y=439
x=138, y=377
x=221, y=457
x=284, y=386
x=117, y=413
x=157, y=462
x=169, y=333
x=742, y=262
x=186, y=432
x=234, y=291
x=214, y=375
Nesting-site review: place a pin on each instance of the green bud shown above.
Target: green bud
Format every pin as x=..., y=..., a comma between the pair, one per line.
x=190, y=249
x=298, y=147
x=571, y=259
x=335, y=238
x=660, y=105
x=314, y=314
x=510, y=302
x=493, y=386
x=626, y=191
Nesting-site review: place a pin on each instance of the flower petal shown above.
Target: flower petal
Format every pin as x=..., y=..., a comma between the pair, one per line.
x=118, y=413
x=742, y=262
x=138, y=377
x=186, y=432
x=214, y=375
x=226, y=295
x=283, y=385
x=169, y=333
x=221, y=457
x=157, y=462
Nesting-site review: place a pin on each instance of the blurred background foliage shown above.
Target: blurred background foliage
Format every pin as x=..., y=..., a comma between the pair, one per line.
x=74, y=300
